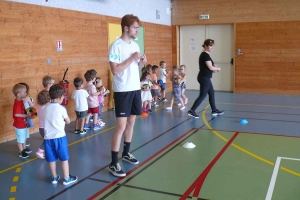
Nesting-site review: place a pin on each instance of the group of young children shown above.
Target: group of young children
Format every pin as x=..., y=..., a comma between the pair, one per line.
x=153, y=79
x=89, y=101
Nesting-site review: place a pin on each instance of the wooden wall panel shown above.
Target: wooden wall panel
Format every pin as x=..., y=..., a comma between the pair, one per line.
x=186, y=12
x=28, y=35
x=270, y=62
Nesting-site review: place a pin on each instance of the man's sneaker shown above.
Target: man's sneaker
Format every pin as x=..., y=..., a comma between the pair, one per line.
x=82, y=132
x=217, y=112
x=164, y=99
x=70, y=180
x=27, y=150
x=130, y=158
x=55, y=180
x=116, y=170
x=40, y=153
x=96, y=127
x=86, y=126
x=182, y=108
x=192, y=114
x=23, y=154
x=76, y=131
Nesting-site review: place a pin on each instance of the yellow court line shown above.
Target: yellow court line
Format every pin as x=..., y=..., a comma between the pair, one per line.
x=15, y=179
x=13, y=189
x=242, y=149
x=32, y=159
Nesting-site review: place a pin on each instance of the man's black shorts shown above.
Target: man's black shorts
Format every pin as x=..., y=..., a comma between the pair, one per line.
x=128, y=103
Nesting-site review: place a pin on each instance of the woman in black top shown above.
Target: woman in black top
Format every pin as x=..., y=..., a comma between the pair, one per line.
x=206, y=68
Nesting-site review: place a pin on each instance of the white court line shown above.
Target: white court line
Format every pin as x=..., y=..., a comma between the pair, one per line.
x=274, y=176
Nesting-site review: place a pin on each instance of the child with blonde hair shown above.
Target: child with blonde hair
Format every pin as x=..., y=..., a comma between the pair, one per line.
x=176, y=91
x=20, y=120
x=48, y=81
x=183, y=84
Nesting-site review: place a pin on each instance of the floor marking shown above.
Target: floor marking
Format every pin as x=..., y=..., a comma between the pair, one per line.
x=70, y=144
x=13, y=188
x=18, y=170
x=15, y=179
x=261, y=105
x=138, y=167
x=242, y=149
x=13, y=198
x=197, y=185
x=274, y=176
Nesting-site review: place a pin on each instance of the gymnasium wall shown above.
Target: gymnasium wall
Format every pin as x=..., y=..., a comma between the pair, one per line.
x=267, y=32
x=28, y=36
x=145, y=9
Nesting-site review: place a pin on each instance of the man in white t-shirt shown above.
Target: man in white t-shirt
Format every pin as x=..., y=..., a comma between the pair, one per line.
x=125, y=60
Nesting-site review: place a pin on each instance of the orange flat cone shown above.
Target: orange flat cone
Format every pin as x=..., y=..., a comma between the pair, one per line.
x=144, y=114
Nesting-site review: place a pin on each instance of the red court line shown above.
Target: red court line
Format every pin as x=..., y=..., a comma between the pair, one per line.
x=253, y=133
x=139, y=166
x=197, y=184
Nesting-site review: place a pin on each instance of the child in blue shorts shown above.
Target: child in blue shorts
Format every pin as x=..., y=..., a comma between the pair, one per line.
x=55, y=140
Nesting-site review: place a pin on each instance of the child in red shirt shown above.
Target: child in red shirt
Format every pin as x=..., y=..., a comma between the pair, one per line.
x=20, y=122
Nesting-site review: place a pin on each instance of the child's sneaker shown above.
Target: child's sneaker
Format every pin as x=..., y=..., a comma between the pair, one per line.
x=164, y=99
x=144, y=109
x=27, y=145
x=40, y=153
x=23, y=154
x=186, y=101
x=55, y=180
x=91, y=118
x=182, y=108
x=169, y=108
x=76, y=131
x=86, y=126
x=96, y=127
x=82, y=132
x=70, y=180
x=150, y=111
x=27, y=150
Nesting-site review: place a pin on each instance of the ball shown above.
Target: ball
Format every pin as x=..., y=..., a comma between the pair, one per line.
x=32, y=111
x=145, y=86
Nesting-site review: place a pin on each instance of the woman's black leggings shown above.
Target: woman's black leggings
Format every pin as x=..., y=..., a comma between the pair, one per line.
x=206, y=87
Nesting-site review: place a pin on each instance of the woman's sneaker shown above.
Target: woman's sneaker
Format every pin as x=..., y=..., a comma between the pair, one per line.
x=116, y=170
x=23, y=154
x=70, y=180
x=217, y=112
x=192, y=114
x=55, y=180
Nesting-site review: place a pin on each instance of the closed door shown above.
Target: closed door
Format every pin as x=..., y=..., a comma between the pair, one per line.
x=191, y=40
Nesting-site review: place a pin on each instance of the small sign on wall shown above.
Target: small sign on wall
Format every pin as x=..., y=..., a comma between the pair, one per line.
x=59, y=45
x=193, y=48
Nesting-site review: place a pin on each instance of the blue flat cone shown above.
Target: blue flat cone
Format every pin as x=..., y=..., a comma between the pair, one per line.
x=243, y=121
